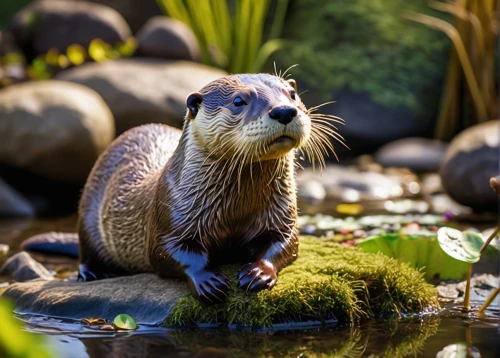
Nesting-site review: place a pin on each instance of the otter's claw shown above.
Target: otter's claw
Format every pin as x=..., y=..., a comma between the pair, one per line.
x=257, y=276
x=209, y=286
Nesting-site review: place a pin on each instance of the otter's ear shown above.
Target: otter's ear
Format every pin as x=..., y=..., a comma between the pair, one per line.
x=293, y=84
x=193, y=103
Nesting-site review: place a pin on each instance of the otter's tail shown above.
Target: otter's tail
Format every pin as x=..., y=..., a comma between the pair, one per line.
x=62, y=243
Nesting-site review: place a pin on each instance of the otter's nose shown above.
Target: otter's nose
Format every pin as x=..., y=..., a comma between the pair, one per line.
x=283, y=114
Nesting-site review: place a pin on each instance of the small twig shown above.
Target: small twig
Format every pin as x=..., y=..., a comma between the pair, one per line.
x=467, y=289
x=492, y=236
x=488, y=301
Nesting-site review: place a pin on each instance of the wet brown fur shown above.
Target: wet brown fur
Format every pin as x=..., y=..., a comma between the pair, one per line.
x=182, y=203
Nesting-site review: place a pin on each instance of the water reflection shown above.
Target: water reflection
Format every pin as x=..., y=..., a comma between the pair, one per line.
x=433, y=336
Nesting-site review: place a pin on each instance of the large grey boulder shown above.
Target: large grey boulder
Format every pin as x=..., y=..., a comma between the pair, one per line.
x=54, y=129
x=471, y=160
x=165, y=37
x=144, y=90
x=43, y=25
x=146, y=297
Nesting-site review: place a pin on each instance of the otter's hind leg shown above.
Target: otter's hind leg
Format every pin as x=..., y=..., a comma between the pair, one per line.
x=91, y=267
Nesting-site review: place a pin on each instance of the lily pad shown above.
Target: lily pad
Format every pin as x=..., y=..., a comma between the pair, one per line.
x=420, y=251
x=462, y=246
x=124, y=321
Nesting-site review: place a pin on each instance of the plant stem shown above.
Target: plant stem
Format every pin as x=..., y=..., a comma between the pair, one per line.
x=488, y=301
x=487, y=242
x=467, y=289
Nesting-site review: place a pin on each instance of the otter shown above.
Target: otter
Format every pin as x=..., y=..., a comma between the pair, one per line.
x=222, y=190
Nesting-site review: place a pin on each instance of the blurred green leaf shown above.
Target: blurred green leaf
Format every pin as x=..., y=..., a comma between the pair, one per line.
x=13, y=58
x=38, y=69
x=16, y=343
x=99, y=50
x=76, y=54
x=52, y=57
x=127, y=48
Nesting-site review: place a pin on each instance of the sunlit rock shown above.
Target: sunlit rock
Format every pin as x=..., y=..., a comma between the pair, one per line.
x=54, y=129
x=144, y=90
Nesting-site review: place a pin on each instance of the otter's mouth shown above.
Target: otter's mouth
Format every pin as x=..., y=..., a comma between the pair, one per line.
x=282, y=139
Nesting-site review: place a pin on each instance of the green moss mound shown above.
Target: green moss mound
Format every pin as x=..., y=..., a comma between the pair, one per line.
x=327, y=280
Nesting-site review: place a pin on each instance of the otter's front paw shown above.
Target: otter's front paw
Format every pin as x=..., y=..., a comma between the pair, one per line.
x=209, y=286
x=257, y=276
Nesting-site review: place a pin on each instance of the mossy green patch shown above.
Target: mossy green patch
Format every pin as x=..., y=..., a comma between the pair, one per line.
x=326, y=280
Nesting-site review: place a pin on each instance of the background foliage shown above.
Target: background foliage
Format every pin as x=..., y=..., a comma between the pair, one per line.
x=368, y=46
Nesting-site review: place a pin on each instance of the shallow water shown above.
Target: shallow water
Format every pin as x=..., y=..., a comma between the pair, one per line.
x=423, y=337
x=419, y=337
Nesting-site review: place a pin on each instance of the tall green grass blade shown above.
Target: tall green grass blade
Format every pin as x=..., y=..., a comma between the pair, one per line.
x=279, y=19
x=266, y=51
x=224, y=24
x=241, y=29
x=230, y=41
x=258, y=19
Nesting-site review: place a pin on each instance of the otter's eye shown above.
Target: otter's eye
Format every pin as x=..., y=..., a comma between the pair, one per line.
x=238, y=102
x=292, y=94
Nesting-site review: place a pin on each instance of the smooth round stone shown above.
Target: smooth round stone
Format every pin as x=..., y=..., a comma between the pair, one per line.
x=470, y=162
x=311, y=190
x=144, y=90
x=44, y=25
x=54, y=129
x=167, y=38
x=418, y=154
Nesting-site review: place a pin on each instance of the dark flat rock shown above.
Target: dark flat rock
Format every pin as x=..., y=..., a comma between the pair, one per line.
x=65, y=243
x=146, y=297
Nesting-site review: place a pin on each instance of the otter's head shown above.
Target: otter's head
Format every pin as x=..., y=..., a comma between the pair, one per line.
x=255, y=117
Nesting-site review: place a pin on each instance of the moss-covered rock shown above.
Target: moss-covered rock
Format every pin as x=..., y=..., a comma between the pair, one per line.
x=326, y=281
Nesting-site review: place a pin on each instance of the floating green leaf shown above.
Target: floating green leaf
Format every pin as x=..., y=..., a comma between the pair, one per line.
x=463, y=246
x=124, y=321
x=420, y=251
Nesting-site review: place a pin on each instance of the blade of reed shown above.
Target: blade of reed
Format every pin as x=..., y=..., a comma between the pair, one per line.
x=266, y=51
x=176, y=10
x=454, y=35
x=257, y=21
x=279, y=19
x=241, y=30
x=224, y=24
